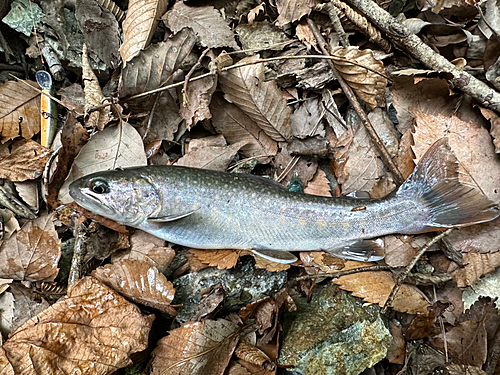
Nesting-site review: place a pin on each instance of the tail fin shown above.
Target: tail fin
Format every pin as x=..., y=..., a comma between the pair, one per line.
x=434, y=182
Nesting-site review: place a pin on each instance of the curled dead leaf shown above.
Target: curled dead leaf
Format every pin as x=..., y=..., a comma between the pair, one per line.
x=92, y=330
x=32, y=253
x=254, y=355
x=22, y=160
x=222, y=259
x=196, y=349
x=140, y=282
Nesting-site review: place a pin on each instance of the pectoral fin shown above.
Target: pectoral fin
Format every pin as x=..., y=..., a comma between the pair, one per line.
x=363, y=250
x=278, y=256
x=173, y=217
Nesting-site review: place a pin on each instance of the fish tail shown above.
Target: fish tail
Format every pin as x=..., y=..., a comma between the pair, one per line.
x=434, y=183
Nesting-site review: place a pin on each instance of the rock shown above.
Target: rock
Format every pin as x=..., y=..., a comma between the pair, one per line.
x=242, y=285
x=333, y=334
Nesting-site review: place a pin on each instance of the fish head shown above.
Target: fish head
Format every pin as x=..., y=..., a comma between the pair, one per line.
x=129, y=199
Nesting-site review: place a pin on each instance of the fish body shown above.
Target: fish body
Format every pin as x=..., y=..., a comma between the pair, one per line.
x=216, y=210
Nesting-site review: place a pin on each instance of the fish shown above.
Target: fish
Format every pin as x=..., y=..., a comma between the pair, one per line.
x=208, y=209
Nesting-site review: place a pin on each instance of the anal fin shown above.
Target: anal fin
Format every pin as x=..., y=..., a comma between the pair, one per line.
x=278, y=256
x=362, y=250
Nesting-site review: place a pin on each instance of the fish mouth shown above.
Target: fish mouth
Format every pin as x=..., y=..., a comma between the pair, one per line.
x=88, y=199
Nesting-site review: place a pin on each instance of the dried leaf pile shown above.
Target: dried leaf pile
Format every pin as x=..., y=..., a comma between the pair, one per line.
x=331, y=98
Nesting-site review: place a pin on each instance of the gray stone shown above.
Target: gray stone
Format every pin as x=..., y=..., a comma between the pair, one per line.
x=335, y=333
x=242, y=285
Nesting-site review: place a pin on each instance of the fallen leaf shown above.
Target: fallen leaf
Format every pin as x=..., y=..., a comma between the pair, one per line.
x=319, y=185
x=293, y=10
x=261, y=101
x=356, y=166
x=73, y=97
x=148, y=248
x=210, y=28
x=306, y=119
x=254, y=355
x=22, y=160
x=155, y=65
x=196, y=349
x=73, y=137
x=139, y=26
x=19, y=110
x=222, y=259
x=494, y=120
x=92, y=330
x=198, y=95
x=399, y=250
x=305, y=34
x=234, y=368
x=212, y=300
x=33, y=252
x=27, y=304
x=166, y=118
x=116, y=146
x=210, y=153
x=93, y=96
x=369, y=85
x=269, y=265
x=140, y=282
x=375, y=287
x=397, y=351
x=476, y=265
x=265, y=313
x=466, y=342
x=235, y=125
x=100, y=30
x=260, y=36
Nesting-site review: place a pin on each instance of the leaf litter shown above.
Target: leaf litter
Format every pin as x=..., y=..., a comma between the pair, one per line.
x=287, y=119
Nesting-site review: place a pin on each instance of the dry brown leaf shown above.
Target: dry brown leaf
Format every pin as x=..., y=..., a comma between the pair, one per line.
x=494, y=120
x=236, y=126
x=22, y=160
x=305, y=34
x=466, y=343
x=73, y=97
x=155, y=65
x=306, y=119
x=367, y=84
x=428, y=95
x=116, y=146
x=293, y=10
x=222, y=259
x=198, y=95
x=476, y=265
x=27, y=304
x=234, y=368
x=140, y=282
x=262, y=101
x=319, y=185
x=139, y=26
x=404, y=160
x=265, y=313
x=166, y=119
x=73, y=137
x=375, y=287
x=206, y=21
x=91, y=331
x=19, y=110
x=399, y=250
x=210, y=153
x=93, y=95
x=33, y=252
x=254, y=355
x=397, y=351
x=196, y=349
x=148, y=248
x=269, y=265
x=357, y=167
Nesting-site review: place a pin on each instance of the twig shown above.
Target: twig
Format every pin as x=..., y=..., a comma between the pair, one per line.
x=377, y=142
x=185, y=99
x=75, y=272
x=260, y=61
x=401, y=278
x=335, y=275
x=363, y=25
x=332, y=11
x=401, y=36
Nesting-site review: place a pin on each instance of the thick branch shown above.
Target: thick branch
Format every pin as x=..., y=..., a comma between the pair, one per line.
x=404, y=39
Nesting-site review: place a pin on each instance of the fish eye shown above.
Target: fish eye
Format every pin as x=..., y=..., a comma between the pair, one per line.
x=99, y=186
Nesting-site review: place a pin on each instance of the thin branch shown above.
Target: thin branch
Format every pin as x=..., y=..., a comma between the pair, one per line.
x=401, y=36
x=377, y=142
x=335, y=275
x=401, y=278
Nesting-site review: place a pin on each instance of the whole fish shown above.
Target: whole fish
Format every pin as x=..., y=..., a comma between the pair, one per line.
x=216, y=210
